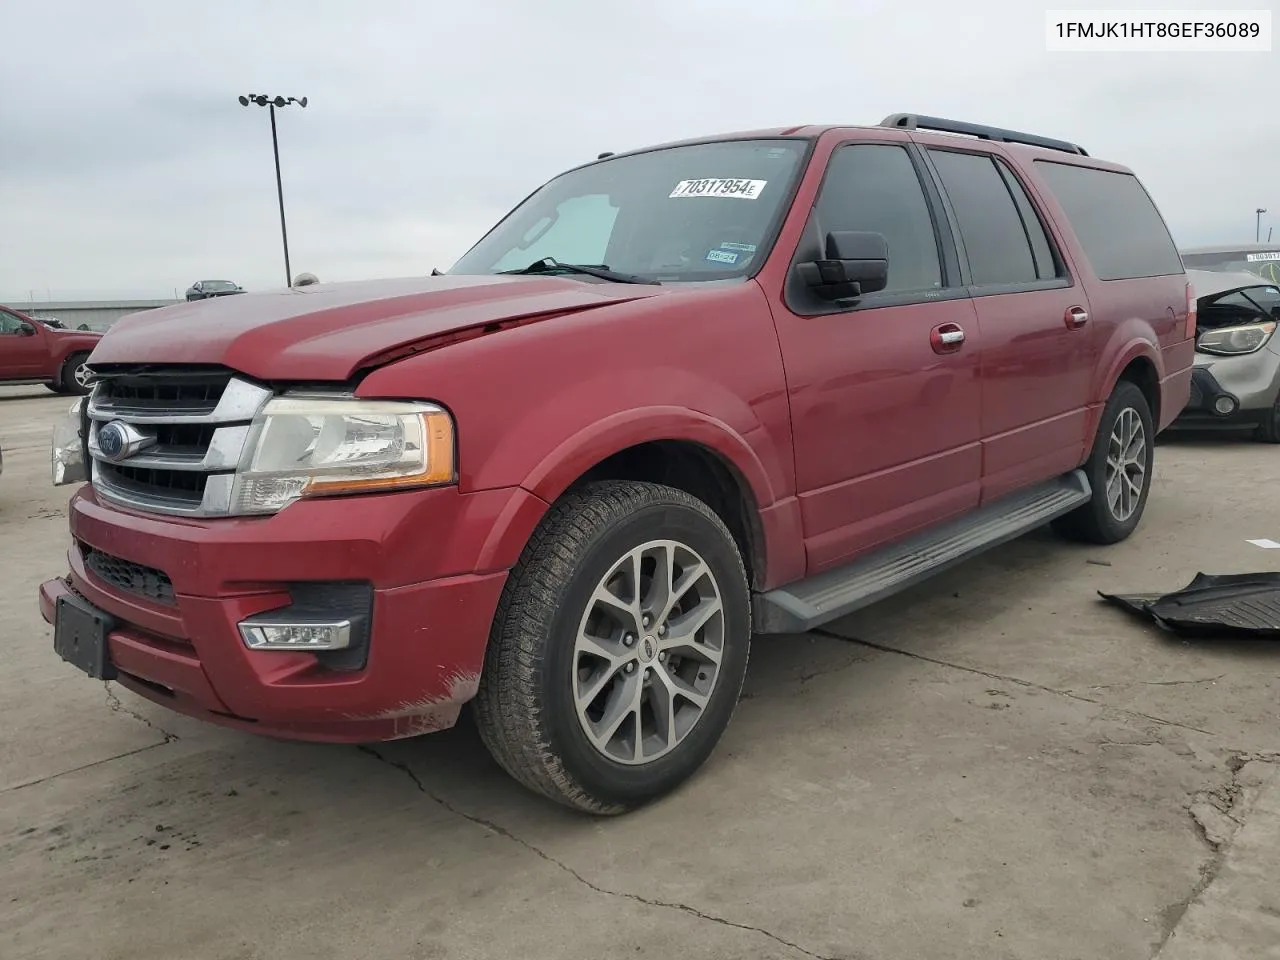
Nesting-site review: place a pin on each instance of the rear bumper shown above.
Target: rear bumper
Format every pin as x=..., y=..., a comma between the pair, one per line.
x=178, y=590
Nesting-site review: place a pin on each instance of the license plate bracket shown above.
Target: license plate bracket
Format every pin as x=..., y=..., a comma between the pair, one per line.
x=80, y=633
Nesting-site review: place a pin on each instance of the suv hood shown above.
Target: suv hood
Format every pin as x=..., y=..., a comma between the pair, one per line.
x=329, y=331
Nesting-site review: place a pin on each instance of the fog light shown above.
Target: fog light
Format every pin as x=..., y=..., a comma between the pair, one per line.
x=68, y=453
x=264, y=635
x=1224, y=405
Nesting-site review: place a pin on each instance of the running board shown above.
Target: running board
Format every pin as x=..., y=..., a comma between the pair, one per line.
x=887, y=570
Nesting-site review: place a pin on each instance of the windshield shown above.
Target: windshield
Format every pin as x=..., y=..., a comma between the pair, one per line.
x=1264, y=263
x=698, y=212
x=217, y=285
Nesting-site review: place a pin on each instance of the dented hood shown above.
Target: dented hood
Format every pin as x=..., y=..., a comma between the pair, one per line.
x=329, y=331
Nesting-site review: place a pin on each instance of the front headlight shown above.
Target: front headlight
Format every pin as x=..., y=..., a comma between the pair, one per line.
x=1231, y=341
x=325, y=446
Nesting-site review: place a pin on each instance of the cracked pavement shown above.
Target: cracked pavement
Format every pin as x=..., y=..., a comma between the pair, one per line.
x=993, y=765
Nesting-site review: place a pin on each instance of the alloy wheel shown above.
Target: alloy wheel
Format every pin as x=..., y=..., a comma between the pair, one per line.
x=647, y=654
x=1126, y=475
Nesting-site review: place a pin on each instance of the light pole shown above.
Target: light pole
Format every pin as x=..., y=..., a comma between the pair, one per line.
x=262, y=100
x=1257, y=224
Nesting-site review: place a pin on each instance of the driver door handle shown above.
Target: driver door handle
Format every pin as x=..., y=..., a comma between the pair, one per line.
x=1076, y=317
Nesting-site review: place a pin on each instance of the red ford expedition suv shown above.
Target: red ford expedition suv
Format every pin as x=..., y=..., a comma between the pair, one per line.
x=678, y=396
x=32, y=352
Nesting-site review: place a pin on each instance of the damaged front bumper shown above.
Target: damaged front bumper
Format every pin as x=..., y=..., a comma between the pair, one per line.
x=174, y=598
x=1232, y=391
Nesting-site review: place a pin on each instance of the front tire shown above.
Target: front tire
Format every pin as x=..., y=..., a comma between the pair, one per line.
x=1268, y=431
x=1119, y=471
x=73, y=374
x=619, y=648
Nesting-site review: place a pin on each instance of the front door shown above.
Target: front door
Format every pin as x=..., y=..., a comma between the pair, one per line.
x=22, y=355
x=885, y=411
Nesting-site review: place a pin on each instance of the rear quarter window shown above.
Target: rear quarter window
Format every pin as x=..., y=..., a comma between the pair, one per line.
x=1119, y=227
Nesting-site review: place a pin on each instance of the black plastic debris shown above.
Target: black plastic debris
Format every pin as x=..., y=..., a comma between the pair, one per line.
x=1231, y=605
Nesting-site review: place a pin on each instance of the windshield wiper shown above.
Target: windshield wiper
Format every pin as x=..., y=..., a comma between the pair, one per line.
x=601, y=271
x=1261, y=309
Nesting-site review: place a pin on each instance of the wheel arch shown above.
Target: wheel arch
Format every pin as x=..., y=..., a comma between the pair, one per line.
x=672, y=446
x=1137, y=360
x=1141, y=372
x=67, y=357
x=702, y=472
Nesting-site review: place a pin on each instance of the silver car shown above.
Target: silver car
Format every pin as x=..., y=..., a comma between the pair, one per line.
x=1236, y=380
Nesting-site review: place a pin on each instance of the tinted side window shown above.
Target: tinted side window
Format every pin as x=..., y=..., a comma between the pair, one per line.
x=1048, y=266
x=9, y=322
x=874, y=187
x=995, y=238
x=1119, y=227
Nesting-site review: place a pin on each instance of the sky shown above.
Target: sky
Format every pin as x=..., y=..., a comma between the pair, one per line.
x=129, y=169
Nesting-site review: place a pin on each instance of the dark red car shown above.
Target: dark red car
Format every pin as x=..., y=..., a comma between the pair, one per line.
x=31, y=351
x=680, y=395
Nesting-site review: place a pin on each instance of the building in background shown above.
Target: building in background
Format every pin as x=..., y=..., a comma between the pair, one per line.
x=86, y=314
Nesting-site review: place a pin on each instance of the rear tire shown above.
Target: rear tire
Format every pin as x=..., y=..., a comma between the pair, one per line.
x=72, y=370
x=619, y=648
x=1119, y=471
x=56, y=386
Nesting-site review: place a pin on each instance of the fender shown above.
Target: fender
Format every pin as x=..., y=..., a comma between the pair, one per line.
x=577, y=454
x=574, y=456
x=61, y=352
x=1132, y=339
x=557, y=412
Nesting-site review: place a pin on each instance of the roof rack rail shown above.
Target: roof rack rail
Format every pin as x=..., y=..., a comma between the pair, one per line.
x=913, y=121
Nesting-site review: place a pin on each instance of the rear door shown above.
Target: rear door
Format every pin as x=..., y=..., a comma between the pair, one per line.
x=1039, y=350
x=1137, y=284
x=885, y=414
x=21, y=355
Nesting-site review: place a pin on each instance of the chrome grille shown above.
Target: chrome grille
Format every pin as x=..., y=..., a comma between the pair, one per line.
x=196, y=425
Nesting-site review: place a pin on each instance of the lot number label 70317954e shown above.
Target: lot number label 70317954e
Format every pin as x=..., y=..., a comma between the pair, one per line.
x=739, y=189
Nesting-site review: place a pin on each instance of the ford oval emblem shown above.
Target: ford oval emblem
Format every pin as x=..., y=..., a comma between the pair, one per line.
x=111, y=441
x=118, y=440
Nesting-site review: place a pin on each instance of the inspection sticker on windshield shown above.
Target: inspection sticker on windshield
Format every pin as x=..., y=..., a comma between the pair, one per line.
x=739, y=189
x=722, y=256
x=1251, y=258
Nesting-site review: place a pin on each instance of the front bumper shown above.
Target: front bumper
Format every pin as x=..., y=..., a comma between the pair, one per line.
x=179, y=588
x=1246, y=387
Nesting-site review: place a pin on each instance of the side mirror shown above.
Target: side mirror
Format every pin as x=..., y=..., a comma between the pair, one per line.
x=26, y=330
x=855, y=264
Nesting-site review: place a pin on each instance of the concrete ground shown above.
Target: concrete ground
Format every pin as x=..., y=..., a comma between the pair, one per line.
x=994, y=765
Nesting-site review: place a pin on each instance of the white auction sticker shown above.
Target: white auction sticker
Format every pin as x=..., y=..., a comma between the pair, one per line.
x=739, y=189
x=1262, y=257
